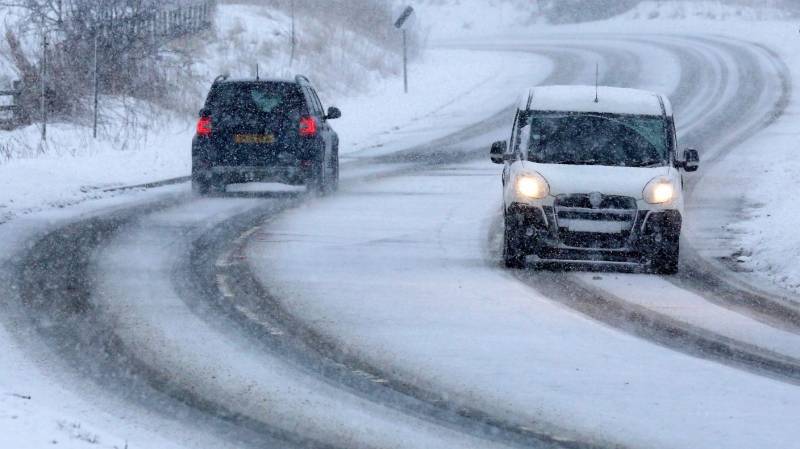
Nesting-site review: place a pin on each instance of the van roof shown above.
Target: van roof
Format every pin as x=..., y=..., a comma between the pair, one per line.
x=611, y=100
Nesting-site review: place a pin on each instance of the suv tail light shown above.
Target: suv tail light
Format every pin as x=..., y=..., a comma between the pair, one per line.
x=204, y=127
x=308, y=127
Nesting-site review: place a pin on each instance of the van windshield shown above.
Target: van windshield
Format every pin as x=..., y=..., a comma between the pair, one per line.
x=598, y=139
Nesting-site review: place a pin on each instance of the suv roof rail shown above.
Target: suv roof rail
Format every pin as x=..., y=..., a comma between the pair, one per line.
x=221, y=78
x=302, y=79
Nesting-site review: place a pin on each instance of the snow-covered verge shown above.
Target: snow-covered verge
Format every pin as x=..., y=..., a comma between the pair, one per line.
x=450, y=18
x=72, y=167
x=705, y=10
x=336, y=58
x=762, y=176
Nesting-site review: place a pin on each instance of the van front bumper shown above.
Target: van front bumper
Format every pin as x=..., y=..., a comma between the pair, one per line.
x=548, y=237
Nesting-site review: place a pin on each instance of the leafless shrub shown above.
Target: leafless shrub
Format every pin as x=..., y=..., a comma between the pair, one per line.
x=130, y=37
x=5, y=152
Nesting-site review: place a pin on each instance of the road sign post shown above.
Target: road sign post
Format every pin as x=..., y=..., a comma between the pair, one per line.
x=402, y=24
x=44, y=87
x=96, y=83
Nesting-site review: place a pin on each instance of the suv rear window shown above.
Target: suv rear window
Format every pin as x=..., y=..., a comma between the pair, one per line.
x=256, y=98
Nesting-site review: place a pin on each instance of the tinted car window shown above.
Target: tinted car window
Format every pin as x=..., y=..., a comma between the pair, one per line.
x=318, y=103
x=313, y=106
x=257, y=98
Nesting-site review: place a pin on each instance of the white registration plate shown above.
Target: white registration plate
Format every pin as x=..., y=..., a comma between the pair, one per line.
x=599, y=227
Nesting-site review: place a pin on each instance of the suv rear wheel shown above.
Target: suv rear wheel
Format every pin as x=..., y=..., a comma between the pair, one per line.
x=317, y=184
x=200, y=187
x=334, y=180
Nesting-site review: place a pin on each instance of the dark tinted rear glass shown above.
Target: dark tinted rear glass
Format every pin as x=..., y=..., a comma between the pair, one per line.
x=260, y=98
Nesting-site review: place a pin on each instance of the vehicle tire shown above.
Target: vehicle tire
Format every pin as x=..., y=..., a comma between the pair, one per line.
x=317, y=184
x=666, y=258
x=334, y=181
x=200, y=187
x=513, y=256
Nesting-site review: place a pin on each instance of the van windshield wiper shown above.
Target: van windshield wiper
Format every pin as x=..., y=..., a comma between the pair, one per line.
x=651, y=163
x=583, y=162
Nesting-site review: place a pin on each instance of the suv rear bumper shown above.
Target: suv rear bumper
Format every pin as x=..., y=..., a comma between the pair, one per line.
x=294, y=175
x=541, y=237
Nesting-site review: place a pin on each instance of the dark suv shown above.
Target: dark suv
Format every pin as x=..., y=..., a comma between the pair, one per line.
x=261, y=130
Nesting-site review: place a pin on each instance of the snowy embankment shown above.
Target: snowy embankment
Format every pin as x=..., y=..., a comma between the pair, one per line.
x=702, y=10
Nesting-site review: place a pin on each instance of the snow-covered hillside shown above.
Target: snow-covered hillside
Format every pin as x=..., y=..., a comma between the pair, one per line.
x=449, y=18
x=708, y=10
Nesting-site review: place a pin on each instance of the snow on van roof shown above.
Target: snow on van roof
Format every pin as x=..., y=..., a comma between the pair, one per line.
x=612, y=100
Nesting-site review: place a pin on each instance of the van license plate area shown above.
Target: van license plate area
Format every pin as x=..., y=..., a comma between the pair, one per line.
x=596, y=227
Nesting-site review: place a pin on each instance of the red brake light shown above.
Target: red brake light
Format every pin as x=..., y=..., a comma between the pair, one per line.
x=204, y=127
x=308, y=127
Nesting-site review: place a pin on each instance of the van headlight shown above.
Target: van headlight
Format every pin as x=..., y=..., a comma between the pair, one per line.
x=660, y=191
x=532, y=186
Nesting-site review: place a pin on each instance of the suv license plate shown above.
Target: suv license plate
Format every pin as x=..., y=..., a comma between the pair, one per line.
x=253, y=138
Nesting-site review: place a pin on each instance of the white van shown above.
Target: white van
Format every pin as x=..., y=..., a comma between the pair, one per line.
x=592, y=176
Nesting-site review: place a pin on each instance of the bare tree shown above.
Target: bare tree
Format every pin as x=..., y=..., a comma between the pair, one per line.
x=131, y=38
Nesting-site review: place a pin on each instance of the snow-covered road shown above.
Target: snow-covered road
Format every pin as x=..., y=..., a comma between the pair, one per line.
x=440, y=311
x=379, y=317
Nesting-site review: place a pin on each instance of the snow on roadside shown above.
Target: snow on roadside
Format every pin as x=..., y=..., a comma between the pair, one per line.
x=760, y=178
x=704, y=10
x=450, y=18
x=73, y=167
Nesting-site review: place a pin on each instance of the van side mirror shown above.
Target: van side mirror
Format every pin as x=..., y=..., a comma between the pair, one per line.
x=333, y=113
x=498, y=151
x=691, y=160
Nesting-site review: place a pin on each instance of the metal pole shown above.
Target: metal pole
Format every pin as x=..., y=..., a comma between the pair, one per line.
x=96, y=85
x=44, y=88
x=405, y=62
x=294, y=41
